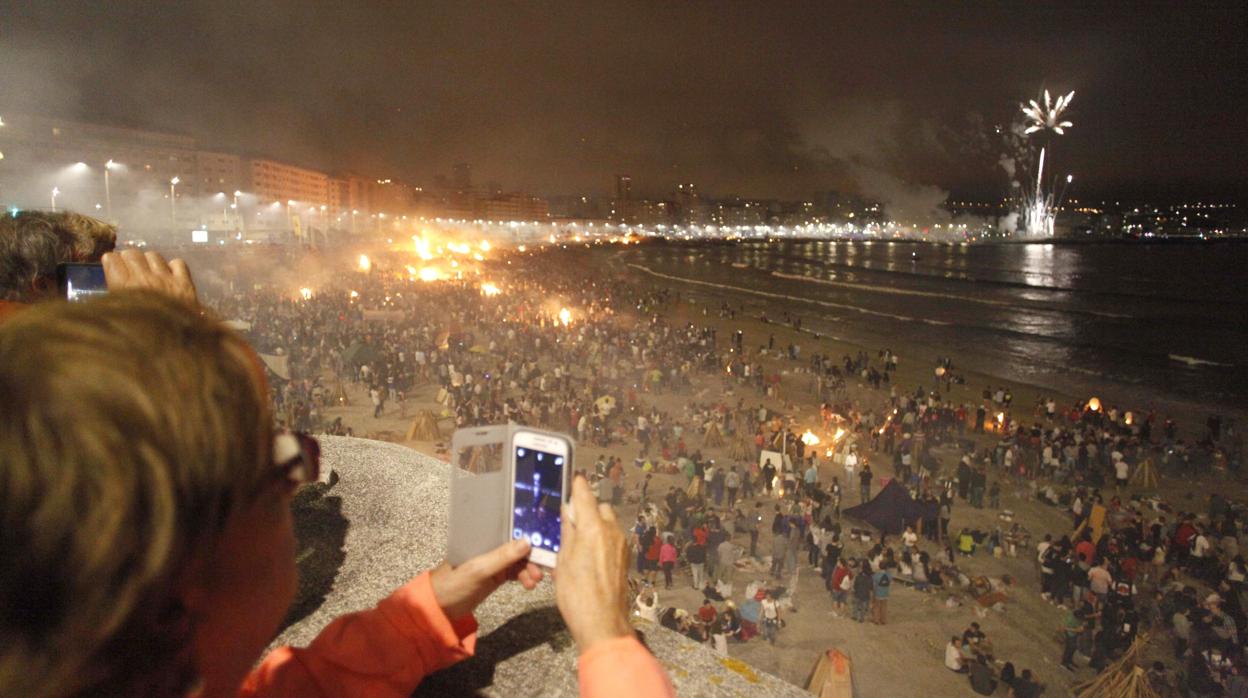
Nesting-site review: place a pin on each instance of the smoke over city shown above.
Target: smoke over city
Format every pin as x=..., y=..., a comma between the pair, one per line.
x=558, y=101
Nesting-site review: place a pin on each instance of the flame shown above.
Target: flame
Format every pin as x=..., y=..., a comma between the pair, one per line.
x=355, y=294
x=1000, y=417
x=522, y=248
x=485, y=246
x=810, y=439
x=1094, y=404
x=422, y=247
x=365, y=265
x=490, y=289
x=839, y=433
x=477, y=256
x=1129, y=418
x=429, y=274
x=306, y=293
x=565, y=316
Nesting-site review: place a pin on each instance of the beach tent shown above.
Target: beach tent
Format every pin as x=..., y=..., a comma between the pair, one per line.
x=833, y=676
x=890, y=511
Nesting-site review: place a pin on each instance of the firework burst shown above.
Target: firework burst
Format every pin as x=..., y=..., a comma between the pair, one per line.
x=1047, y=117
x=1039, y=211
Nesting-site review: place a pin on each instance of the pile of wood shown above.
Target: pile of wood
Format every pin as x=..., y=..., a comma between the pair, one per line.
x=424, y=427
x=742, y=449
x=713, y=438
x=1122, y=679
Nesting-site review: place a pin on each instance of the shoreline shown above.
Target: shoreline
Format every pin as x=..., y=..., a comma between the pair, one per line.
x=1186, y=413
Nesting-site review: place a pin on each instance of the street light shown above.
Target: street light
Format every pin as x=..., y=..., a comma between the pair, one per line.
x=108, y=194
x=173, y=206
x=55, y=191
x=238, y=212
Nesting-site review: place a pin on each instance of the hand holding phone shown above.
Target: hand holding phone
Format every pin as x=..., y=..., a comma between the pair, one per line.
x=591, y=587
x=135, y=269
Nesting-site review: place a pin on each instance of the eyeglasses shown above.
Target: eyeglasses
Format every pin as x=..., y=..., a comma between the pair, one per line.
x=296, y=457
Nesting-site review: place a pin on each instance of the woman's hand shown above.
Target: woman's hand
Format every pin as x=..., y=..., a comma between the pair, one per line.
x=459, y=589
x=591, y=580
x=130, y=269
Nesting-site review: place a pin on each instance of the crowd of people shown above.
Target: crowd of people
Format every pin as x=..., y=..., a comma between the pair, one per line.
x=732, y=497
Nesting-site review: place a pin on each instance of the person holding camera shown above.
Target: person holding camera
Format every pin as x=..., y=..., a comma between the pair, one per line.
x=150, y=550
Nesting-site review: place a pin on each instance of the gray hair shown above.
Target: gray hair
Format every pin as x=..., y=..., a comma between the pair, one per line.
x=32, y=243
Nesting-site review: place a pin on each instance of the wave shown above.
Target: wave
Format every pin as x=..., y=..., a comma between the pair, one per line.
x=934, y=294
x=784, y=296
x=1193, y=361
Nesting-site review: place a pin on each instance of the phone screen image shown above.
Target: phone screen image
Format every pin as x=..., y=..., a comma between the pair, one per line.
x=83, y=281
x=538, y=498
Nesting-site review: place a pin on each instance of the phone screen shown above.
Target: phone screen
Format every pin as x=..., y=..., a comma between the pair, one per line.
x=538, y=498
x=81, y=281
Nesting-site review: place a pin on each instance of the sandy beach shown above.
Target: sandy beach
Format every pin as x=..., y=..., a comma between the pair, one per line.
x=891, y=659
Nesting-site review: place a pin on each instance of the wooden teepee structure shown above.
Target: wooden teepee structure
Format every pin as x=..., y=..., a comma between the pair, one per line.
x=1122, y=679
x=741, y=449
x=713, y=438
x=1144, y=475
x=424, y=427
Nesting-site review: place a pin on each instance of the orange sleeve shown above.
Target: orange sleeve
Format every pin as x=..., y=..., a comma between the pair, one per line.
x=385, y=651
x=622, y=667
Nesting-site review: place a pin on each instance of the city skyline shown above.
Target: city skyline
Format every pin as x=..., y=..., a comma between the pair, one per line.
x=894, y=105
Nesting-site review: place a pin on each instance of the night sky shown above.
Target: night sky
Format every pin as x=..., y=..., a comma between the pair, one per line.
x=747, y=98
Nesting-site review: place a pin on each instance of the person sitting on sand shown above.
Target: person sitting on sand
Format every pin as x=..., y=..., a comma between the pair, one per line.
x=953, y=655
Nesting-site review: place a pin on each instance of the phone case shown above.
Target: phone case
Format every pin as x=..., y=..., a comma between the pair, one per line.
x=481, y=474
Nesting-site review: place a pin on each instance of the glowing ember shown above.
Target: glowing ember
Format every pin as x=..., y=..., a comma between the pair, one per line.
x=365, y=265
x=306, y=293
x=810, y=439
x=565, y=317
x=1094, y=404
x=490, y=289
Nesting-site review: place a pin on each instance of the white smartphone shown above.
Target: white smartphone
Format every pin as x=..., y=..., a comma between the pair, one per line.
x=538, y=492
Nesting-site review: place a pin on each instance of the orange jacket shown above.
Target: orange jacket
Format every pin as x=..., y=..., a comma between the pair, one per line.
x=388, y=651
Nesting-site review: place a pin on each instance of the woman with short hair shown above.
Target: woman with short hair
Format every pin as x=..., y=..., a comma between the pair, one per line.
x=147, y=535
